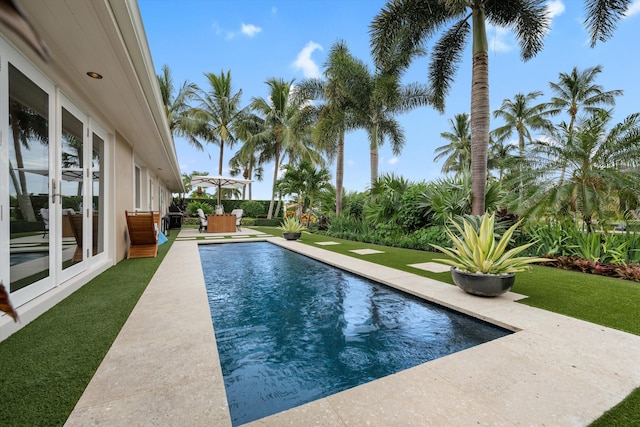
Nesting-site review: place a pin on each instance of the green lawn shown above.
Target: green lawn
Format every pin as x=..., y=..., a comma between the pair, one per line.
x=47, y=365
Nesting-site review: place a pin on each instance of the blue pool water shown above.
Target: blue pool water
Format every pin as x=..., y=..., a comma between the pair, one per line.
x=291, y=330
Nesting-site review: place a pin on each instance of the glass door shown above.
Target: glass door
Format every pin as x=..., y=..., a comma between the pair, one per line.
x=30, y=196
x=73, y=209
x=97, y=191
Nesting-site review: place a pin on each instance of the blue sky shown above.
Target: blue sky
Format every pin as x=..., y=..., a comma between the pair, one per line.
x=259, y=39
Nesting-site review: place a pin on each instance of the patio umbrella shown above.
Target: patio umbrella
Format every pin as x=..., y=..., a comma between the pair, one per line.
x=219, y=182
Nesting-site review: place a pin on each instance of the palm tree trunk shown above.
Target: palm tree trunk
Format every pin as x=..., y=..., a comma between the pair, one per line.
x=22, y=195
x=339, y=173
x=479, y=114
x=373, y=135
x=275, y=178
x=221, y=153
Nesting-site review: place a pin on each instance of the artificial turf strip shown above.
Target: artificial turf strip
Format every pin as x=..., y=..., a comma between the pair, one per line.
x=624, y=414
x=46, y=366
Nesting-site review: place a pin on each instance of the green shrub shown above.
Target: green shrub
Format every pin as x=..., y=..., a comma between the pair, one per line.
x=264, y=222
x=193, y=207
x=252, y=208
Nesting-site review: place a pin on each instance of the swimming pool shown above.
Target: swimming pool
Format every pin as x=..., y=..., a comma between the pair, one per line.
x=291, y=330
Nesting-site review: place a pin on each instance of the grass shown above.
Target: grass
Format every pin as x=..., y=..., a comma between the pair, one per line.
x=47, y=365
x=53, y=359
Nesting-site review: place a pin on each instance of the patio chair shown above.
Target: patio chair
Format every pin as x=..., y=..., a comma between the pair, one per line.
x=238, y=213
x=76, y=220
x=203, y=221
x=143, y=235
x=44, y=213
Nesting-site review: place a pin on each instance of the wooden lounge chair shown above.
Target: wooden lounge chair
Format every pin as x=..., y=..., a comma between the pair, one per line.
x=143, y=235
x=75, y=220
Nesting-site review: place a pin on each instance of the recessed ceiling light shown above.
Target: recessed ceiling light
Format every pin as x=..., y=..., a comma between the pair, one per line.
x=94, y=75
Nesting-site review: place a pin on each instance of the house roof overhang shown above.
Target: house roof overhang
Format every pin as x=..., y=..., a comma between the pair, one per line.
x=107, y=37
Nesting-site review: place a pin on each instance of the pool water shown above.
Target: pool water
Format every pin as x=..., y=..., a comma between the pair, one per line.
x=291, y=329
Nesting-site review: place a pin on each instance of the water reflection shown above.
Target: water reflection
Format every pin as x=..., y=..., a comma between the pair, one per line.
x=291, y=330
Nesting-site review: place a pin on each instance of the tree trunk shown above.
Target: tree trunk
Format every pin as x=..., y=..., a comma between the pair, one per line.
x=339, y=173
x=275, y=178
x=221, y=153
x=479, y=114
x=22, y=194
x=374, y=153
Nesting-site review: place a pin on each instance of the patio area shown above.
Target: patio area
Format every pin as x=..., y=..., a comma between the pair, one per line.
x=163, y=368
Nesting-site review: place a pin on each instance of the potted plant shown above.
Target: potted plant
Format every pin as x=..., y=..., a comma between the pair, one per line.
x=479, y=264
x=291, y=228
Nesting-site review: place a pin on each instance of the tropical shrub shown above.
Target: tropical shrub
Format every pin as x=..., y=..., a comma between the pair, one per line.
x=193, y=207
x=413, y=216
x=252, y=209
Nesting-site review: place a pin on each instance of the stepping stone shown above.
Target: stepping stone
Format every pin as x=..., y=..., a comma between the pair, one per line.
x=213, y=237
x=434, y=267
x=240, y=237
x=327, y=243
x=366, y=251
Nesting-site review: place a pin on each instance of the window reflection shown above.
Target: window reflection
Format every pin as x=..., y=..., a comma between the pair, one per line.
x=28, y=180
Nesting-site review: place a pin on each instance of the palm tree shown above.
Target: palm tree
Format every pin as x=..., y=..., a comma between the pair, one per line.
x=521, y=118
x=306, y=182
x=405, y=24
x=458, y=150
x=246, y=163
x=599, y=165
x=577, y=91
x=218, y=112
x=177, y=108
x=285, y=127
x=343, y=74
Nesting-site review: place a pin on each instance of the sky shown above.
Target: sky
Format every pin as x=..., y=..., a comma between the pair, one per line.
x=290, y=39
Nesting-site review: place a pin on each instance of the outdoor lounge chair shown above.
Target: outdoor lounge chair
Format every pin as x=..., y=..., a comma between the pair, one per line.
x=75, y=220
x=238, y=213
x=44, y=213
x=143, y=235
x=203, y=221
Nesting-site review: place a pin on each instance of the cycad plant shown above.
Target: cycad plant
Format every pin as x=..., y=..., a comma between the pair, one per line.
x=477, y=251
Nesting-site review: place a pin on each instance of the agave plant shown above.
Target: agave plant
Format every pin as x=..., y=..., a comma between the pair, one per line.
x=291, y=225
x=477, y=251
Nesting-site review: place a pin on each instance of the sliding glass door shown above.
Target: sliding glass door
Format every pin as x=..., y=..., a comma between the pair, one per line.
x=30, y=195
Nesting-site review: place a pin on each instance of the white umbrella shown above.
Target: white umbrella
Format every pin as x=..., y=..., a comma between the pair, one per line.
x=219, y=182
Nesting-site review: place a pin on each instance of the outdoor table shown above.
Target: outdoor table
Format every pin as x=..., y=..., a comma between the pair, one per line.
x=225, y=223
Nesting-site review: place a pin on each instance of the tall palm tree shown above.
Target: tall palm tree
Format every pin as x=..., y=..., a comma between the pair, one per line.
x=285, y=127
x=457, y=153
x=342, y=75
x=177, y=108
x=218, y=112
x=576, y=91
x=403, y=24
x=599, y=162
x=521, y=118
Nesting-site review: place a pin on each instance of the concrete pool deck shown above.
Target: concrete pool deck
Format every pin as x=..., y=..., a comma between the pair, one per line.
x=163, y=367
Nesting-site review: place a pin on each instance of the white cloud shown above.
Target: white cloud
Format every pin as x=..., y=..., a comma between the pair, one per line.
x=250, y=30
x=393, y=160
x=350, y=162
x=555, y=8
x=304, y=62
x=634, y=8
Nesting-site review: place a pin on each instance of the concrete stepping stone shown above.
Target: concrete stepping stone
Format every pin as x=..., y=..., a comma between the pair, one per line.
x=366, y=251
x=327, y=243
x=434, y=267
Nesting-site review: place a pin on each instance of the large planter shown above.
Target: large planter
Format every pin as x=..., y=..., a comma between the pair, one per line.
x=485, y=285
x=291, y=235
